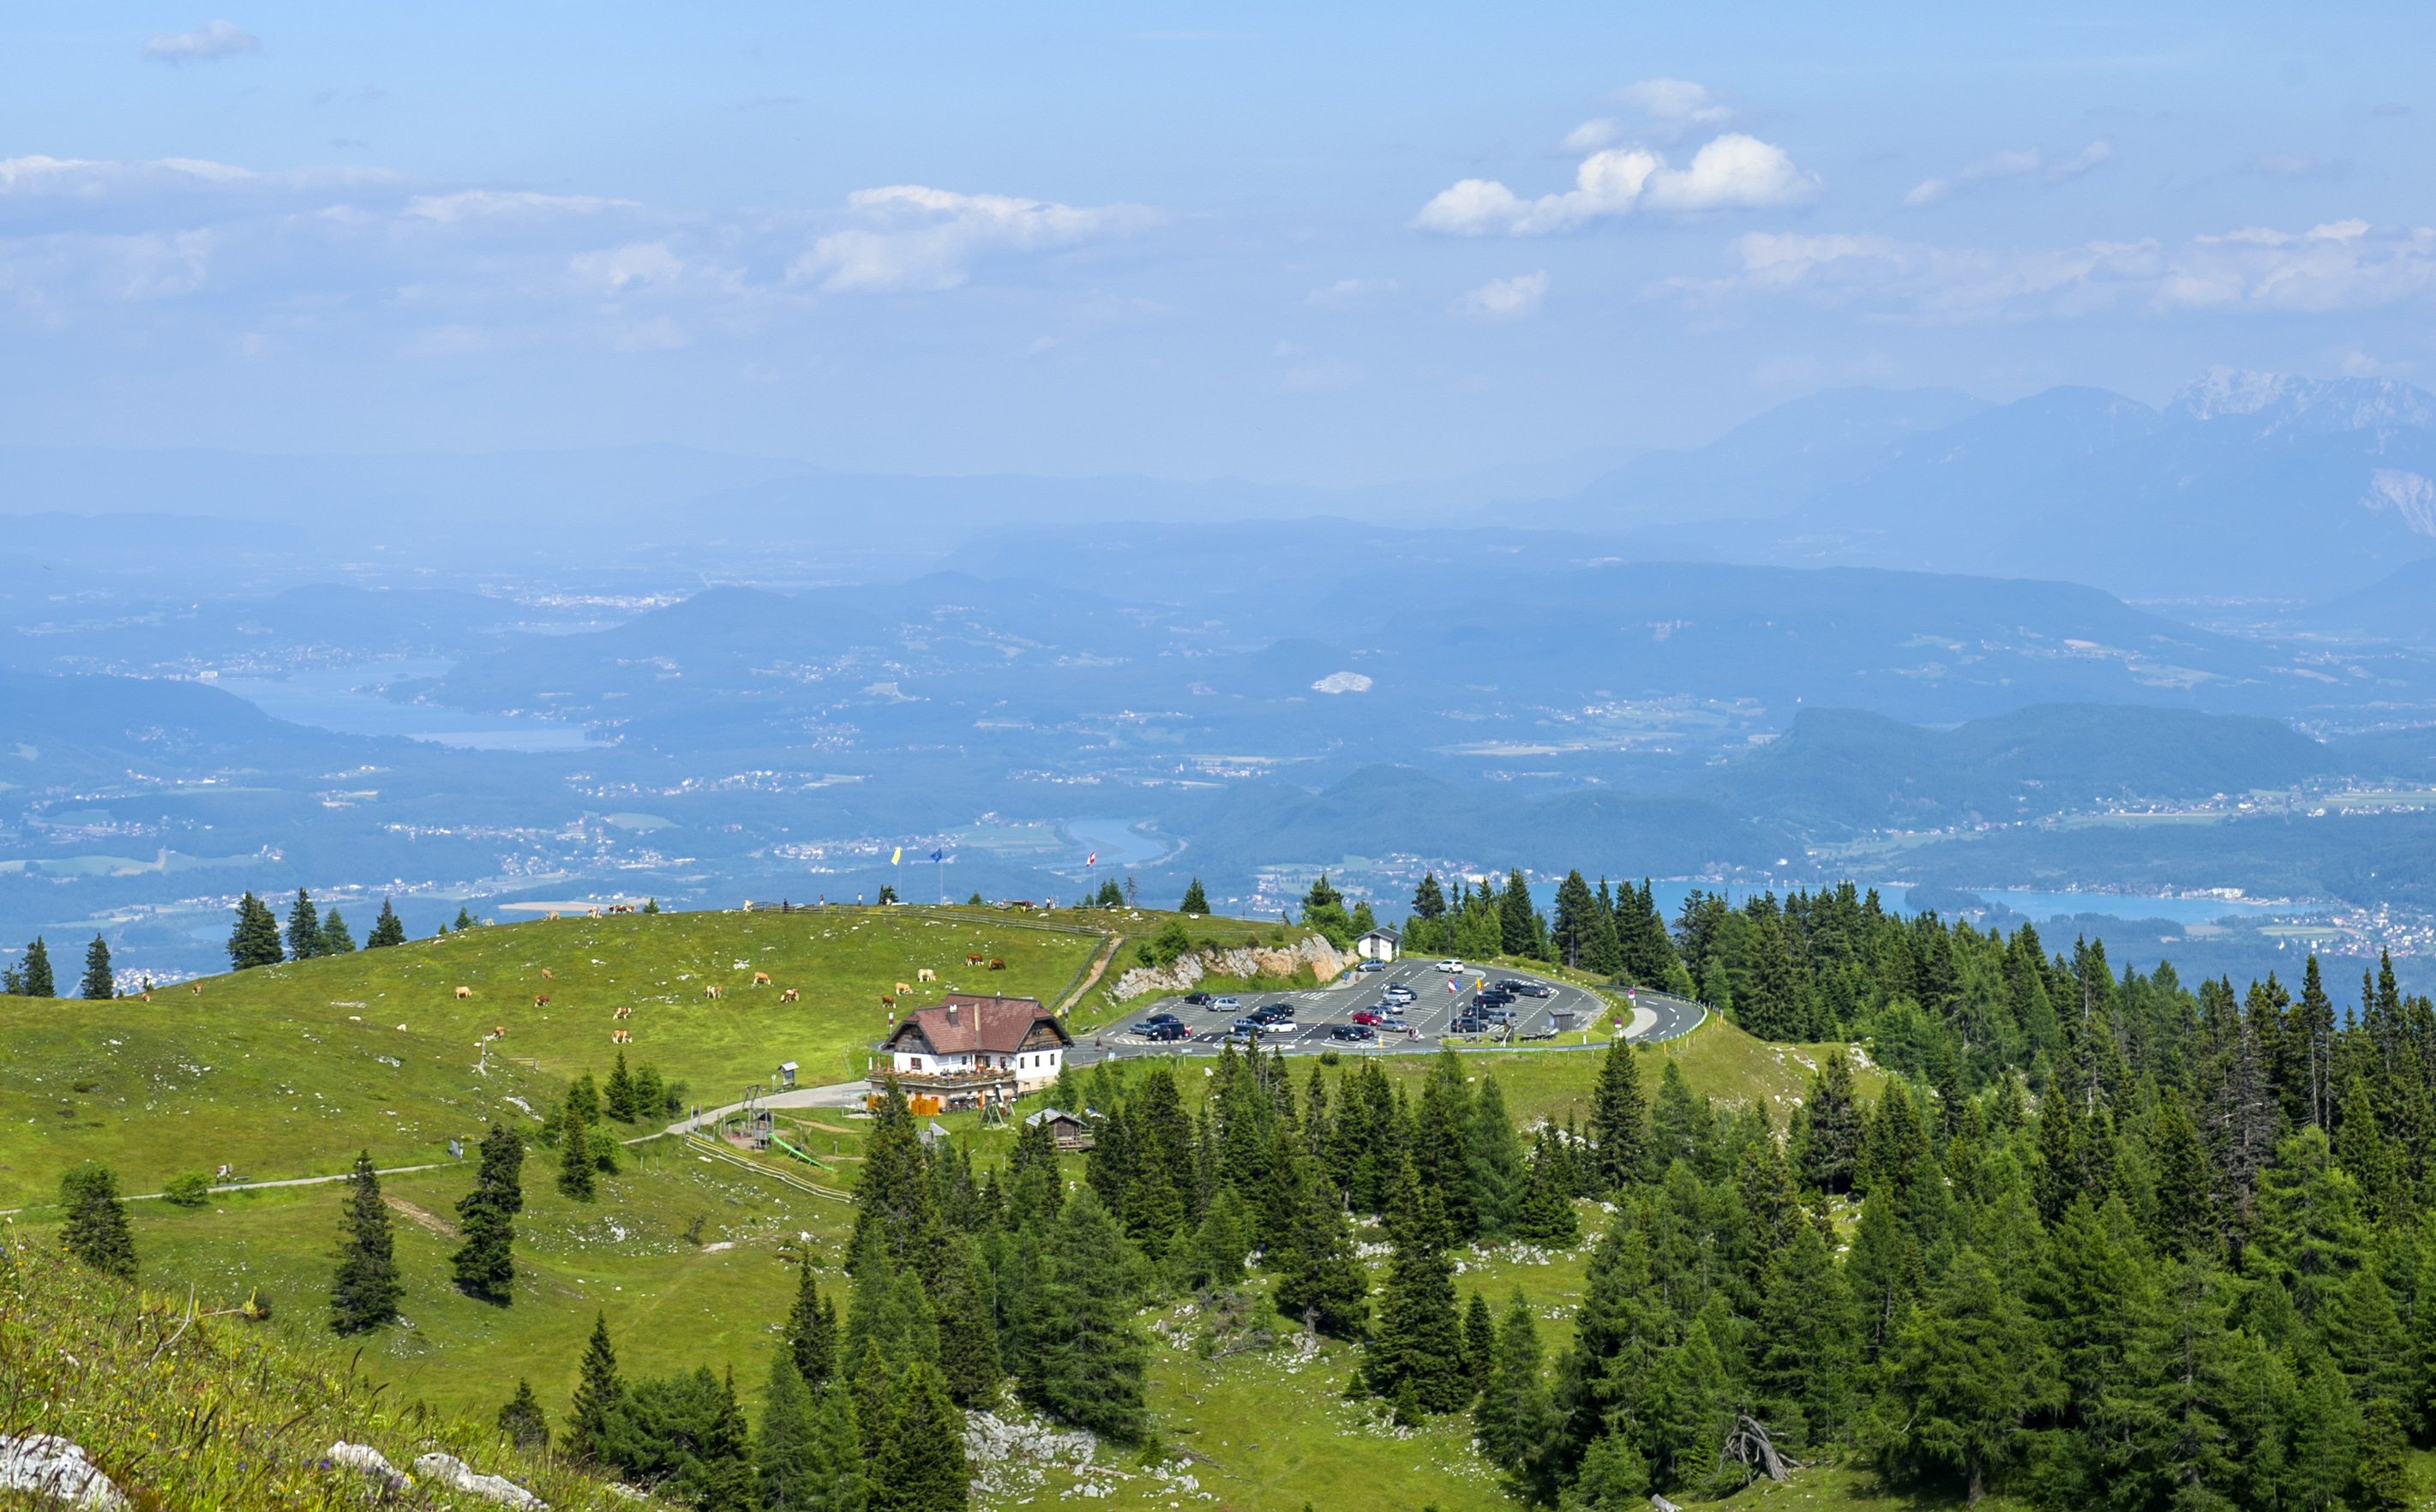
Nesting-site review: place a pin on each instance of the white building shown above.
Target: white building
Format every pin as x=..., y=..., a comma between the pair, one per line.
x=1382, y=944
x=969, y=1051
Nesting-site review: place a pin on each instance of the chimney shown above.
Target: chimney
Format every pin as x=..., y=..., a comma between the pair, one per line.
x=951, y=1016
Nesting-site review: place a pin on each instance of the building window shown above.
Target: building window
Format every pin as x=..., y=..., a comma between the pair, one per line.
x=917, y=1063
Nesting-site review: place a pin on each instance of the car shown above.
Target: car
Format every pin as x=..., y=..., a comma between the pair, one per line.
x=1241, y=1035
x=1372, y=965
x=1272, y=1013
x=1163, y=1019
x=1162, y=1033
x=1535, y=989
x=1353, y=1031
x=1249, y=1024
x=1491, y=999
x=1494, y=1014
x=1466, y=1025
x=1400, y=993
x=1366, y=1016
x=1511, y=984
x=1450, y=965
x=1390, y=1024
x=1198, y=1000
x=1225, y=1004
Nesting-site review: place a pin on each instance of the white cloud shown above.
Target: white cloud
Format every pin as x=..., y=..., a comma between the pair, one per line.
x=2027, y=164
x=1592, y=135
x=1504, y=299
x=1350, y=291
x=1732, y=172
x=88, y=177
x=2343, y=264
x=909, y=238
x=1673, y=100
x=205, y=43
x=482, y=205
x=648, y=262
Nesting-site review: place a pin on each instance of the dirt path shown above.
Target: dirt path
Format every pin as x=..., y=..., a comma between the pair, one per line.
x=1100, y=962
x=422, y=1217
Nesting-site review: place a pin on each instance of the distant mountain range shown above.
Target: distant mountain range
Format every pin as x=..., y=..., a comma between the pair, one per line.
x=2243, y=486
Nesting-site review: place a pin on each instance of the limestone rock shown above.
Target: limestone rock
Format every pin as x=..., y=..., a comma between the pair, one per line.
x=54, y=1467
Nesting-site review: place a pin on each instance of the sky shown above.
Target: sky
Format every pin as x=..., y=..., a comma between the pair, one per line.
x=1322, y=244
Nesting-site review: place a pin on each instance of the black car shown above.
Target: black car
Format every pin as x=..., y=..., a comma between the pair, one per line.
x=1495, y=1013
x=1491, y=999
x=1513, y=984
x=1198, y=1000
x=1163, y=1019
x=1466, y=1025
x=1275, y=1013
x=1535, y=989
x=1353, y=1031
x=1162, y=1033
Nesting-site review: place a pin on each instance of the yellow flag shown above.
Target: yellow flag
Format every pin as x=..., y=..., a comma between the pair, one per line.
x=896, y=855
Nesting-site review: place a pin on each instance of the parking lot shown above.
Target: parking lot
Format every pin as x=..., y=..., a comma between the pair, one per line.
x=1439, y=1000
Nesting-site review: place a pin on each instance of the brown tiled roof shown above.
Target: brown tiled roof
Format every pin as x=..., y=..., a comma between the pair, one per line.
x=961, y=1023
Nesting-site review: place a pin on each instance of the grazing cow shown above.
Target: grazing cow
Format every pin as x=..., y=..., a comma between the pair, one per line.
x=925, y=973
x=887, y=1002
x=195, y=987
x=541, y=1000
x=620, y=1036
x=975, y=960
x=463, y=993
x=499, y=1031
x=789, y=996
x=997, y=964
x=624, y=1011
x=748, y=905
x=711, y=991
x=904, y=987
x=760, y=979
x=551, y=915
x=148, y=997
x=547, y=975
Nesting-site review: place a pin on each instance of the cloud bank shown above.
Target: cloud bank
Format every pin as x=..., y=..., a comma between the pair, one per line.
x=1731, y=172
x=912, y=238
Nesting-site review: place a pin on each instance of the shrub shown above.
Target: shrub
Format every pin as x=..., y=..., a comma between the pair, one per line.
x=193, y=1189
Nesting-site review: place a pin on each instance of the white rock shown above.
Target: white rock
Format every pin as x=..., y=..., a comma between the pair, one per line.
x=54, y=1467
x=451, y=1471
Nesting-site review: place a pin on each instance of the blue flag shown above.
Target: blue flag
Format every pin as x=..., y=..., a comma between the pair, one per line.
x=939, y=852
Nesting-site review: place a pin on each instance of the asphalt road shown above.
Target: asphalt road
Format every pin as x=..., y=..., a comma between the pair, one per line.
x=1656, y=1017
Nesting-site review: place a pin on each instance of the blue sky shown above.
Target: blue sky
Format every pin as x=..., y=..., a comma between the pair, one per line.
x=1341, y=243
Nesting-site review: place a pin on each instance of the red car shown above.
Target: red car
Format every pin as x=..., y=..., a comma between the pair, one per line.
x=1365, y=1016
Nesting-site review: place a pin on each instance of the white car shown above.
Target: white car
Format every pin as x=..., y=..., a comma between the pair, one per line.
x=1450, y=965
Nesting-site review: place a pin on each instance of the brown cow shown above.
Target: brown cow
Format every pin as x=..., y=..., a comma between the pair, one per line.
x=760, y=979
x=886, y=1001
x=975, y=960
x=904, y=987
x=791, y=995
x=547, y=975
x=997, y=964
x=463, y=993
x=541, y=1000
x=620, y=1036
x=623, y=1012
x=499, y=1031
x=195, y=987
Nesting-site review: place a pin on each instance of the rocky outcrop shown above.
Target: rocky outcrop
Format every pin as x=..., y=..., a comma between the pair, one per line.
x=1311, y=953
x=57, y=1469
x=455, y=1475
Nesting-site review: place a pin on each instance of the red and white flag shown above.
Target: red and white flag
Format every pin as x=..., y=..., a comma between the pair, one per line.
x=1092, y=859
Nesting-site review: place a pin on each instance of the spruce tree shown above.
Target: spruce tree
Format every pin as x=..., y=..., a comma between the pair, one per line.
x=811, y=1330
x=618, y=1093
x=388, y=929
x=873, y=1390
x=304, y=928
x=598, y=1392
x=364, y=1292
x=98, y=985
x=35, y=971
x=921, y=1466
x=1808, y=1370
x=1829, y=1143
x=1195, y=900
x=337, y=939
x=1419, y=1343
x=786, y=1453
x=1546, y=1215
x=1620, y=1120
x=1518, y=1421
x=1089, y=1360
x=465, y=919
x=893, y=1197
x=254, y=941
x=484, y=1264
x=93, y=1222
x=522, y=1422
x=1493, y=1162
x=1970, y=1375
x=969, y=1363
x=1479, y=1341
x=575, y=1162
x=1320, y=1284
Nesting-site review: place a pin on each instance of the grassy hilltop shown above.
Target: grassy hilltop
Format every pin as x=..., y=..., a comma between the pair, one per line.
x=286, y=1071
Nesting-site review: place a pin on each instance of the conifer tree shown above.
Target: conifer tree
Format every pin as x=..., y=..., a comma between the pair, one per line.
x=1479, y=1343
x=873, y=1390
x=893, y=1198
x=522, y=1422
x=1809, y=1360
x=1418, y=1344
x=921, y=1465
x=1683, y=1420
x=98, y=985
x=598, y=1392
x=388, y=929
x=93, y=1222
x=575, y=1165
x=786, y=1453
x=1829, y=1142
x=337, y=939
x=1620, y=1120
x=811, y=1334
x=1517, y=1422
x=254, y=941
x=1320, y=1284
x=1493, y=1161
x=484, y=1264
x=465, y=919
x=2186, y=1224
x=304, y=928
x=1546, y=1216
x=969, y=1363
x=33, y=975
x=618, y=1093
x=1970, y=1375
x=364, y=1294
x=1195, y=900
x=1087, y=1360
